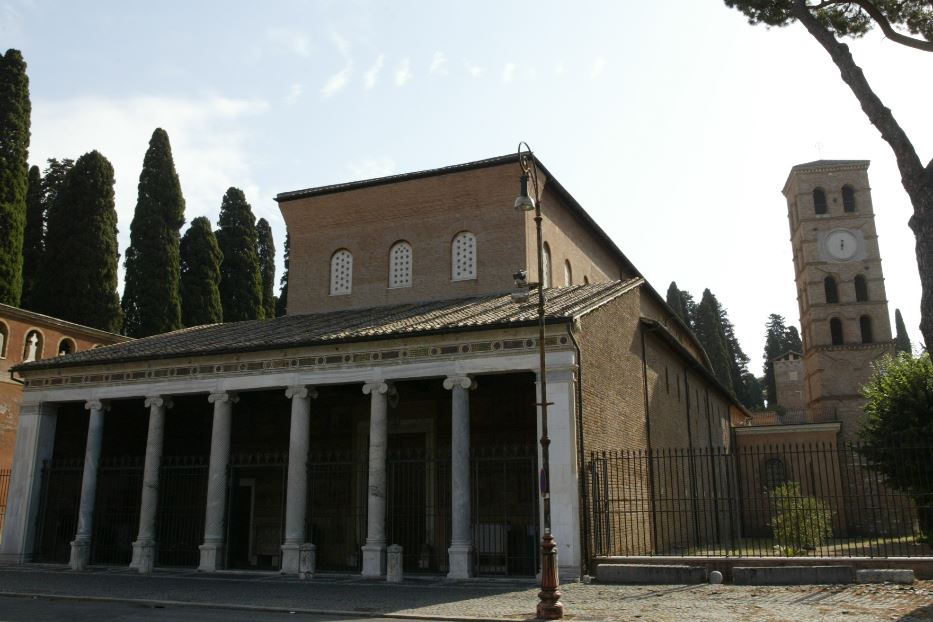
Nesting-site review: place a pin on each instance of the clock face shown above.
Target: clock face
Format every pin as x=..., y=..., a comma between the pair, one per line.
x=841, y=245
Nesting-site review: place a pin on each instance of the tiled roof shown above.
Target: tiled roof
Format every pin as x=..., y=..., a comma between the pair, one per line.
x=829, y=163
x=474, y=313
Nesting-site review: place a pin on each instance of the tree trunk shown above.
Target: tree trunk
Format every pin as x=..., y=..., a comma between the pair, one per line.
x=917, y=179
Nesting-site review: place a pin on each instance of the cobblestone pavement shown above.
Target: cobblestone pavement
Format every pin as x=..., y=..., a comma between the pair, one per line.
x=482, y=599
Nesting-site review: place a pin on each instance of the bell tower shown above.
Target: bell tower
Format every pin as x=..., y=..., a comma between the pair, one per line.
x=840, y=286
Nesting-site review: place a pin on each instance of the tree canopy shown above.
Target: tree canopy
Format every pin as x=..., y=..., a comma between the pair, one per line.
x=79, y=269
x=281, y=303
x=200, y=275
x=908, y=23
x=240, y=279
x=33, y=236
x=15, y=110
x=709, y=330
x=901, y=340
x=151, y=302
x=897, y=430
x=266, y=253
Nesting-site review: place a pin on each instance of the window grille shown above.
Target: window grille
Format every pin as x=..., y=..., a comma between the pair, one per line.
x=463, y=257
x=341, y=273
x=400, y=265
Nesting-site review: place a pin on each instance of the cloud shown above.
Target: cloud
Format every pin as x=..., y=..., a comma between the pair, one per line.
x=598, y=66
x=295, y=42
x=369, y=78
x=343, y=46
x=439, y=64
x=560, y=69
x=370, y=167
x=475, y=71
x=336, y=82
x=294, y=93
x=209, y=145
x=508, y=73
x=403, y=73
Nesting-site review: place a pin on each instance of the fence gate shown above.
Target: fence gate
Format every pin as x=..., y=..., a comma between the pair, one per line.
x=57, y=519
x=182, y=503
x=256, y=510
x=116, y=510
x=337, y=497
x=505, y=510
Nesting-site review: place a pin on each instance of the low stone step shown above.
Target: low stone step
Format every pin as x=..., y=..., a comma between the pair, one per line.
x=650, y=574
x=885, y=575
x=792, y=575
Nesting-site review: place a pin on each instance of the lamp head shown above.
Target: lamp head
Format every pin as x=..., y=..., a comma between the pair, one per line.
x=523, y=202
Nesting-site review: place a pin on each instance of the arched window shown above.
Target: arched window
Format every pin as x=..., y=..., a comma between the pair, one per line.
x=463, y=257
x=861, y=288
x=586, y=280
x=547, y=266
x=835, y=331
x=568, y=273
x=32, y=346
x=848, y=198
x=4, y=339
x=832, y=290
x=819, y=201
x=66, y=346
x=400, y=265
x=773, y=473
x=341, y=273
x=864, y=324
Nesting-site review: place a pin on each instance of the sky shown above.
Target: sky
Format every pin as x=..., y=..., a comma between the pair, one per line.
x=673, y=123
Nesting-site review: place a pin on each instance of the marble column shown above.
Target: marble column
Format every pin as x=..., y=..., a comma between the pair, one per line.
x=81, y=545
x=461, y=536
x=212, y=551
x=297, y=553
x=144, y=549
x=374, y=551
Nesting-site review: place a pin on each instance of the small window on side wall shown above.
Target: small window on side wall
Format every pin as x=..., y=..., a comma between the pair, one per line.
x=568, y=273
x=341, y=273
x=864, y=323
x=861, y=288
x=400, y=265
x=831, y=289
x=848, y=199
x=819, y=201
x=463, y=257
x=66, y=346
x=547, y=266
x=835, y=331
x=4, y=339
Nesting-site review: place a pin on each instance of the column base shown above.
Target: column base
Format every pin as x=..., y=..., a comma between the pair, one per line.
x=299, y=559
x=212, y=557
x=80, y=554
x=460, y=561
x=374, y=560
x=144, y=554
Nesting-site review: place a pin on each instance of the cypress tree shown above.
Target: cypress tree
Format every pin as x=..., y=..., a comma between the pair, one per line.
x=200, y=275
x=779, y=339
x=79, y=269
x=266, y=253
x=240, y=280
x=53, y=182
x=14, y=170
x=901, y=340
x=676, y=302
x=709, y=330
x=738, y=362
x=151, y=302
x=281, y=303
x=33, y=236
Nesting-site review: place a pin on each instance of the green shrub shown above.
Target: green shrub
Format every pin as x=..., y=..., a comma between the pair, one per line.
x=799, y=523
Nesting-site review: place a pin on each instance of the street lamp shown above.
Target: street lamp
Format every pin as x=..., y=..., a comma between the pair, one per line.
x=549, y=605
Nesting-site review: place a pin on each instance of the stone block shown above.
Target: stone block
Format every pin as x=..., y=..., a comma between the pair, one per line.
x=885, y=575
x=394, y=564
x=650, y=574
x=793, y=575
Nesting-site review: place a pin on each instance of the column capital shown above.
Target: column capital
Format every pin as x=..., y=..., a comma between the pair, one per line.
x=464, y=382
x=96, y=405
x=378, y=386
x=223, y=396
x=301, y=392
x=159, y=401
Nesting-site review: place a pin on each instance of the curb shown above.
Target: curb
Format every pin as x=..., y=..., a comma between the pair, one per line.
x=255, y=608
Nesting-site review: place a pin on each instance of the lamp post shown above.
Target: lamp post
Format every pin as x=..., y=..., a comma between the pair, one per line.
x=549, y=605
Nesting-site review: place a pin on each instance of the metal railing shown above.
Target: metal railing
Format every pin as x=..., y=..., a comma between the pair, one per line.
x=4, y=493
x=769, y=500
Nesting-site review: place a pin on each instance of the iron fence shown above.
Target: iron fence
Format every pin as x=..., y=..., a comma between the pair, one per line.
x=181, y=510
x=116, y=510
x=57, y=518
x=4, y=493
x=764, y=500
x=256, y=510
x=336, y=518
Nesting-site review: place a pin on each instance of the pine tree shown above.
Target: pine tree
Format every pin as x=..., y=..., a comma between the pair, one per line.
x=738, y=363
x=15, y=110
x=200, y=275
x=681, y=301
x=240, y=280
x=79, y=270
x=901, y=340
x=33, y=237
x=266, y=253
x=281, y=303
x=754, y=391
x=151, y=302
x=709, y=330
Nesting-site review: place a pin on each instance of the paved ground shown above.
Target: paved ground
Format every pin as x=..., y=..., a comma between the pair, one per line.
x=439, y=599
